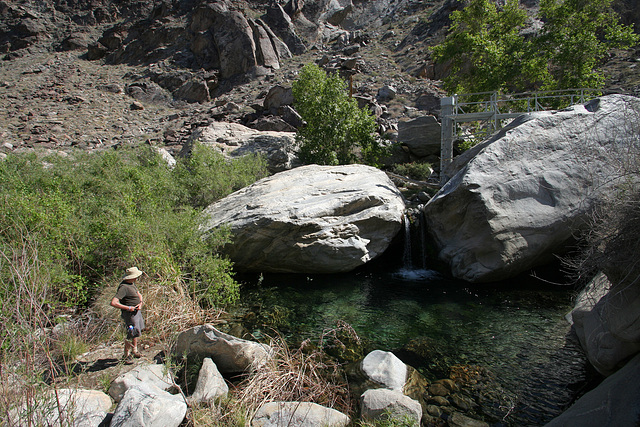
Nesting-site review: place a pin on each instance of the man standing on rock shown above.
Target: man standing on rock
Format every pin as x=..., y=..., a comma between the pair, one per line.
x=129, y=300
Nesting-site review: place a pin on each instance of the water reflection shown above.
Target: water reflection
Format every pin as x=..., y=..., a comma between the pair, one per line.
x=432, y=322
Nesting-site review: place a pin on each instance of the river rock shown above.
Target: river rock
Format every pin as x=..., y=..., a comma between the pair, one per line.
x=457, y=419
x=153, y=376
x=421, y=135
x=312, y=219
x=380, y=403
x=386, y=369
x=299, y=414
x=143, y=406
x=612, y=403
x=230, y=354
x=235, y=140
x=517, y=199
x=87, y=408
x=609, y=330
x=210, y=385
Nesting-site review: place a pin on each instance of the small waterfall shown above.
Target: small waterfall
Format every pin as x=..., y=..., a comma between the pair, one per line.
x=407, y=258
x=410, y=271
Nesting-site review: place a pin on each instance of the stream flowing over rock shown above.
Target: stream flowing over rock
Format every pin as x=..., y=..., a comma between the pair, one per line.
x=518, y=198
x=312, y=219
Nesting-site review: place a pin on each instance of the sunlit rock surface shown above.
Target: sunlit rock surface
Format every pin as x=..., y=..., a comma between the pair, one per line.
x=312, y=219
x=518, y=198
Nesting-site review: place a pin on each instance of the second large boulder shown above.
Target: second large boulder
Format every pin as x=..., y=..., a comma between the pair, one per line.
x=521, y=196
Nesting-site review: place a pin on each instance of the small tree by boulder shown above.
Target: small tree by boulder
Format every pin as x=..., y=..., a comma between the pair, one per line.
x=336, y=130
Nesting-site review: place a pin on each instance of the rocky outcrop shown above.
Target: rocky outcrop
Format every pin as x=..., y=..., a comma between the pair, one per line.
x=312, y=219
x=421, y=135
x=219, y=36
x=518, y=198
x=235, y=140
x=612, y=403
x=608, y=327
x=298, y=414
x=230, y=354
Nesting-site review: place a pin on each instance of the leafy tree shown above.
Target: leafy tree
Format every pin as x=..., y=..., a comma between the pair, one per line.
x=485, y=47
x=576, y=37
x=488, y=51
x=336, y=129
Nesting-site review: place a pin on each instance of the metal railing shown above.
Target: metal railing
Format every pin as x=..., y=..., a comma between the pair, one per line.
x=490, y=109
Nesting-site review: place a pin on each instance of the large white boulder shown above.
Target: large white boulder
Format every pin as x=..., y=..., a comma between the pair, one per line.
x=312, y=219
x=230, y=354
x=84, y=408
x=386, y=369
x=518, y=198
x=298, y=414
x=143, y=406
x=151, y=375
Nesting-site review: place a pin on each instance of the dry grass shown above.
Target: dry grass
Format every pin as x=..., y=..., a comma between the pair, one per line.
x=303, y=375
x=167, y=307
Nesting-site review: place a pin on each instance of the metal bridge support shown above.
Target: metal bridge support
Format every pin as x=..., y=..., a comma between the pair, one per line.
x=447, y=106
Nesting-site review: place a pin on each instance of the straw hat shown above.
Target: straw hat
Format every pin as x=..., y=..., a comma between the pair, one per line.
x=132, y=273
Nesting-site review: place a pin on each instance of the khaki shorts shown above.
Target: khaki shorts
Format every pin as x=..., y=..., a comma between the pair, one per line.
x=135, y=319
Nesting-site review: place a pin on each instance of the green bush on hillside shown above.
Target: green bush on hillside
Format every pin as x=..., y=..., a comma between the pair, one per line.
x=69, y=223
x=336, y=132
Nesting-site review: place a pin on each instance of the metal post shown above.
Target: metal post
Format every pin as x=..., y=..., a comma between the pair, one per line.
x=446, y=134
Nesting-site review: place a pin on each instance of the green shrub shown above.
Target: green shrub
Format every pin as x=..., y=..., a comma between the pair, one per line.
x=337, y=132
x=414, y=170
x=78, y=220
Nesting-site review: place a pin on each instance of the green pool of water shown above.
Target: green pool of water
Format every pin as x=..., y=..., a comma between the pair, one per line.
x=515, y=330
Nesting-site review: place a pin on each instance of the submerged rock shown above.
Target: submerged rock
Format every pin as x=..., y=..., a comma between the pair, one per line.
x=312, y=219
x=517, y=199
